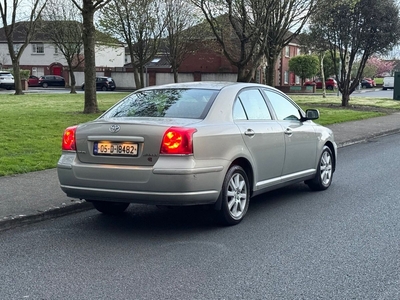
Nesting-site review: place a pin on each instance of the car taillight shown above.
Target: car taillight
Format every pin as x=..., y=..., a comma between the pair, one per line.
x=69, y=139
x=178, y=140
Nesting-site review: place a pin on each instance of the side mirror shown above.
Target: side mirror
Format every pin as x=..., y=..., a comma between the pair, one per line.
x=312, y=114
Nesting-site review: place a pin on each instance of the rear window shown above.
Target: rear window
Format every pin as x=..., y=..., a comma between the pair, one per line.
x=167, y=103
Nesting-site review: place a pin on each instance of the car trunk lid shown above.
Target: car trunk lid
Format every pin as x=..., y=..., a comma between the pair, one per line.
x=124, y=141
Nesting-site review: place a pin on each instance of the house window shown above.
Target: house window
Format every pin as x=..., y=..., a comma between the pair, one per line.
x=56, y=50
x=297, y=79
x=287, y=51
x=286, y=77
x=298, y=51
x=38, y=48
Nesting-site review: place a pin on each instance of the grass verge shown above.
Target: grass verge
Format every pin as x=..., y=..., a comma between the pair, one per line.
x=32, y=124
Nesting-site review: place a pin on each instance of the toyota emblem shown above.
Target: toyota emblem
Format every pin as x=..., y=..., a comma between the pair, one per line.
x=114, y=128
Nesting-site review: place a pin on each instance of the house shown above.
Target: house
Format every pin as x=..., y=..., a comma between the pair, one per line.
x=42, y=57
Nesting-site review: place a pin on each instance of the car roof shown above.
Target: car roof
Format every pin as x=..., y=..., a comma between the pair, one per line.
x=215, y=85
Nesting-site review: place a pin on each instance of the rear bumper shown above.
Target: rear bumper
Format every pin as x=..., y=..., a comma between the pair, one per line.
x=159, y=184
x=7, y=85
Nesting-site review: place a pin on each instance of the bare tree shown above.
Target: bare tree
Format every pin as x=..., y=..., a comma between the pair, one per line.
x=88, y=8
x=240, y=27
x=140, y=25
x=285, y=21
x=181, y=18
x=9, y=12
x=356, y=30
x=64, y=29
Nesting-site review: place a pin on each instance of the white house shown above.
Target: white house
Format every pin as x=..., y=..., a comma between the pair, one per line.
x=42, y=57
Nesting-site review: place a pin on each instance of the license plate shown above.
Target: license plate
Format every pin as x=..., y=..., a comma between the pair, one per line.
x=108, y=148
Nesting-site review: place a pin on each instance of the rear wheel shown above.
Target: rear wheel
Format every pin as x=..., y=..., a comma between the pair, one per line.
x=45, y=85
x=110, y=208
x=323, y=177
x=329, y=87
x=104, y=88
x=235, y=196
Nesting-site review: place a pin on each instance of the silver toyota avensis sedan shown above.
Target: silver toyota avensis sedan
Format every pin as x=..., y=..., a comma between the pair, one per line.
x=197, y=143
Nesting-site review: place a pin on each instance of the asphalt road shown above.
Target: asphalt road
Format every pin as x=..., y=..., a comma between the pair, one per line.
x=374, y=93
x=343, y=243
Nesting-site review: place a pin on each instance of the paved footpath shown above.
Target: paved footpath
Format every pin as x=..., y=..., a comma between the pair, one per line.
x=36, y=196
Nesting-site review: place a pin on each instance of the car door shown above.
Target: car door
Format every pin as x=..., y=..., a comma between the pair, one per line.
x=263, y=136
x=300, y=137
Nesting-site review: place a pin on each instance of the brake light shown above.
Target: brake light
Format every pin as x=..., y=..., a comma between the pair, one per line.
x=178, y=140
x=69, y=139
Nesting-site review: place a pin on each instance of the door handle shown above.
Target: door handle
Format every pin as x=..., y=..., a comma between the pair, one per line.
x=288, y=131
x=250, y=132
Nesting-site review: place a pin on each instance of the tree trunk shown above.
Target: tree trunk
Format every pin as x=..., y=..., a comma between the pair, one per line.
x=175, y=71
x=270, y=68
x=89, y=42
x=143, y=81
x=321, y=60
x=137, y=79
x=241, y=75
x=345, y=99
x=73, y=81
x=270, y=75
x=17, y=78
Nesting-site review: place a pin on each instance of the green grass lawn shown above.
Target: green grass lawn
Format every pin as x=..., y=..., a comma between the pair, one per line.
x=32, y=124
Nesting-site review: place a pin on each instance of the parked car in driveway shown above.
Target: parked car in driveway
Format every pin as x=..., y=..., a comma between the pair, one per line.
x=51, y=80
x=6, y=80
x=197, y=143
x=103, y=83
x=33, y=81
x=330, y=84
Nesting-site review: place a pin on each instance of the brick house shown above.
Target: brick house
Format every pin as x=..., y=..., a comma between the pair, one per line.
x=209, y=63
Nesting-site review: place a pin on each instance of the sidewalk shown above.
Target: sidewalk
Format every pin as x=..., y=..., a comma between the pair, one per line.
x=36, y=196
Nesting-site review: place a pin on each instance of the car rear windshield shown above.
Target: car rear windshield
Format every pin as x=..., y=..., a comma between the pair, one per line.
x=167, y=103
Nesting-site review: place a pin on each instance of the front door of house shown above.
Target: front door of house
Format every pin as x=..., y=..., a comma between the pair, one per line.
x=57, y=71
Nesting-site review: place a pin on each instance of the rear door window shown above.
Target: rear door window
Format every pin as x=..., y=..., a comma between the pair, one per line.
x=251, y=105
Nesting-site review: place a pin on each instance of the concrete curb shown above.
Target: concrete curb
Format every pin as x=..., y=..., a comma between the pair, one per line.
x=366, y=138
x=21, y=220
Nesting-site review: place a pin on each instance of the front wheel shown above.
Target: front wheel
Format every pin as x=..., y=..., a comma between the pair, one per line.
x=110, y=208
x=235, y=196
x=323, y=177
x=45, y=85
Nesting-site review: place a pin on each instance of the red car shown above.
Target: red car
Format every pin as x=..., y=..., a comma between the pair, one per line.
x=368, y=83
x=330, y=84
x=33, y=81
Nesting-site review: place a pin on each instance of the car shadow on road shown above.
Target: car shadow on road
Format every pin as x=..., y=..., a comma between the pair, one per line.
x=150, y=219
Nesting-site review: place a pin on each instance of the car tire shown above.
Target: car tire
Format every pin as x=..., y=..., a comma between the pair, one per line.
x=45, y=85
x=235, y=196
x=323, y=177
x=110, y=208
x=104, y=88
x=329, y=87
